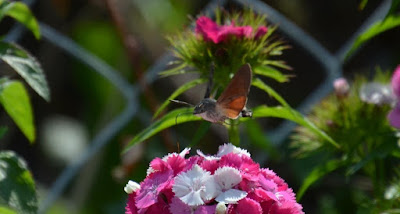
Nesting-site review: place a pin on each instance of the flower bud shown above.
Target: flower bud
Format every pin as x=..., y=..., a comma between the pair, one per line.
x=341, y=87
x=131, y=187
x=221, y=208
x=396, y=82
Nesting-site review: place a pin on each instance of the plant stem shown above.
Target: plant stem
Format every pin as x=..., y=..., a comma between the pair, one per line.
x=233, y=131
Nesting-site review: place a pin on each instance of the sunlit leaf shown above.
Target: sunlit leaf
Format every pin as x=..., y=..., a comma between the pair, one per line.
x=393, y=8
x=178, y=116
x=377, y=28
x=261, y=85
x=270, y=72
x=21, y=13
x=6, y=210
x=177, y=92
x=17, y=187
x=26, y=66
x=277, y=63
x=15, y=100
x=317, y=173
x=293, y=115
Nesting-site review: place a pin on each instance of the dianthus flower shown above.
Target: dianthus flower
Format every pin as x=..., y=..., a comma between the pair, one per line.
x=394, y=115
x=211, y=31
x=229, y=182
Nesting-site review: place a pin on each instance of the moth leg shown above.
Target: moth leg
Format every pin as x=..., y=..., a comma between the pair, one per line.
x=246, y=113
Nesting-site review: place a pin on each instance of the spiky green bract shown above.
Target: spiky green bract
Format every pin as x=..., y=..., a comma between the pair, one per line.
x=368, y=144
x=194, y=53
x=360, y=128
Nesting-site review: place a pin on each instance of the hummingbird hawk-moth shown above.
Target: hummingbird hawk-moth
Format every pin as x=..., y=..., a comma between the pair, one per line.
x=231, y=103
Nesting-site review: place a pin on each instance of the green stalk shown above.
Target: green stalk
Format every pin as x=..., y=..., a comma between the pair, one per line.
x=233, y=131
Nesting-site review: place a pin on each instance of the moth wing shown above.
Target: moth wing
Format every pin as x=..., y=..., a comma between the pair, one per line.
x=233, y=99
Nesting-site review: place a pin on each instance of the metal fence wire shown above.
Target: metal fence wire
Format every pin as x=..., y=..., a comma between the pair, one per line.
x=332, y=64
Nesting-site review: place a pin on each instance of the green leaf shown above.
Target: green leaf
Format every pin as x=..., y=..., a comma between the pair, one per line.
x=26, y=66
x=317, y=173
x=180, y=69
x=380, y=152
x=177, y=92
x=178, y=116
x=17, y=187
x=6, y=210
x=3, y=130
x=15, y=101
x=201, y=131
x=261, y=85
x=277, y=63
x=21, y=13
x=393, y=8
x=293, y=115
x=271, y=72
x=377, y=28
x=362, y=4
x=259, y=139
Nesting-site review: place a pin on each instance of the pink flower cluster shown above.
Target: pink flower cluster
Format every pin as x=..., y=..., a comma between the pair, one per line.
x=211, y=31
x=229, y=182
x=394, y=115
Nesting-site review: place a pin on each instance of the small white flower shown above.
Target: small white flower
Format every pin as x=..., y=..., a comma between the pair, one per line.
x=227, y=178
x=221, y=208
x=229, y=148
x=195, y=186
x=131, y=187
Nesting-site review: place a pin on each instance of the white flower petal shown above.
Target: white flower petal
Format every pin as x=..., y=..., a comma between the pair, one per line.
x=231, y=196
x=192, y=199
x=212, y=189
x=184, y=152
x=131, y=187
x=227, y=177
x=207, y=157
x=229, y=148
x=195, y=186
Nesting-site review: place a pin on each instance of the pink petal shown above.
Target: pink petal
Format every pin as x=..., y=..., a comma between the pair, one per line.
x=261, y=31
x=396, y=82
x=151, y=187
x=159, y=165
x=207, y=28
x=394, y=116
x=130, y=205
x=178, y=207
x=177, y=163
x=205, y=209
x=210, y=165
x=248, y=205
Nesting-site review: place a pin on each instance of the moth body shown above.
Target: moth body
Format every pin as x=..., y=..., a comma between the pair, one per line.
x=209, y=110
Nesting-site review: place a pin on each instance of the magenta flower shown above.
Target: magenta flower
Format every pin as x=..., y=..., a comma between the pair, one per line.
x=211, y=31
x=229, y=182
x=394, y=115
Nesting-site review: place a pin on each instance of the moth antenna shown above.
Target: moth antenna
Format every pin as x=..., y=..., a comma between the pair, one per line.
x=210, y=81
x=181, y=102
